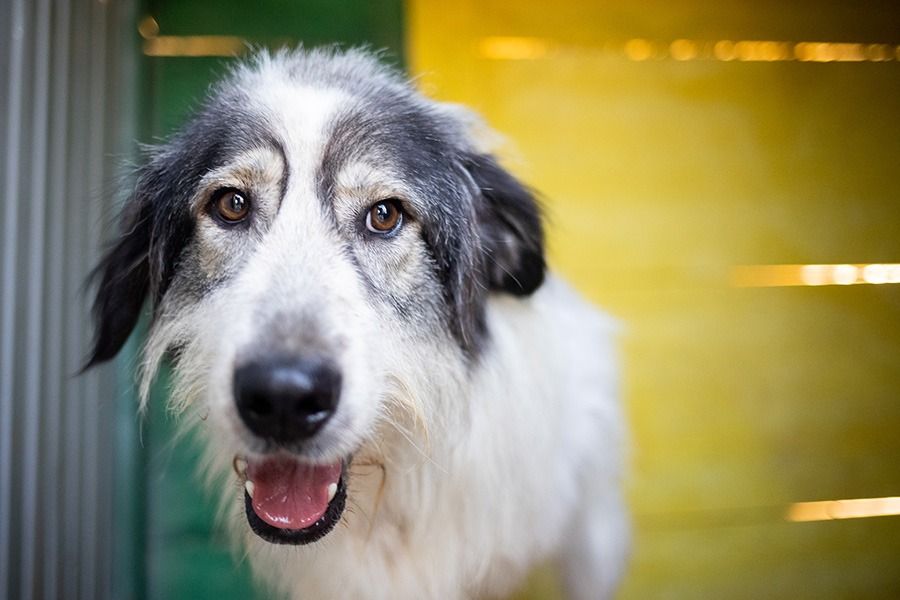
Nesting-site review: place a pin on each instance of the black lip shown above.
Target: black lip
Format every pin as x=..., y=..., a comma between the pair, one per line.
x=299, y=537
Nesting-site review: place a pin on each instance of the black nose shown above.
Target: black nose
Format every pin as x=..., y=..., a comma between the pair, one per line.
x=286, y=399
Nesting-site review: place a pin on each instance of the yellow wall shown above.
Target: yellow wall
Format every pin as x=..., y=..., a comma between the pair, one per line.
x=664, y=165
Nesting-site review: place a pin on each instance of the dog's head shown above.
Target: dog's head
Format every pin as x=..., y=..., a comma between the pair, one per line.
x=314, y=237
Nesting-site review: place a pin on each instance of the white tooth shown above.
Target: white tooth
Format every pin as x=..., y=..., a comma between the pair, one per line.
x=332, y=490
x=248, y=485
x=240, y=465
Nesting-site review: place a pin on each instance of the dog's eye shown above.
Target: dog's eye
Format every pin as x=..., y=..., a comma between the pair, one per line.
x=384, y=217
x=230, y=206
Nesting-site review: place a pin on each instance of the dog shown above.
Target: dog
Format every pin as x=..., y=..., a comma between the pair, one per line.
x=398, y=400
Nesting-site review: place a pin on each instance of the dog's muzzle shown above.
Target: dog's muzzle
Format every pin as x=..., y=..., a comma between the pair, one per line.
x=286, y=401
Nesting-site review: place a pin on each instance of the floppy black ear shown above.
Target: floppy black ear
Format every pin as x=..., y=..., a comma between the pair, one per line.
x=124, y=283
x=509, y=223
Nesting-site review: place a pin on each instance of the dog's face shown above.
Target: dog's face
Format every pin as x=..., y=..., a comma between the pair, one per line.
x=313, y=232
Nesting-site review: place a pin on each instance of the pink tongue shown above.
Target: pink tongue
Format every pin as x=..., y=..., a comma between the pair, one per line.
x=289, y=494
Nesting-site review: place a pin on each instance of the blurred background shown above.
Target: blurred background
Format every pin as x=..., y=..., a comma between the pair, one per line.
x=722, y=177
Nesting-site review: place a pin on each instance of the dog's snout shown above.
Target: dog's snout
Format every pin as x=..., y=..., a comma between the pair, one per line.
x=286, y=399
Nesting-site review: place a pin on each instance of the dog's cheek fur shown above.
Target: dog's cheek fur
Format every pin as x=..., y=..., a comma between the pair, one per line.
x=399, y=275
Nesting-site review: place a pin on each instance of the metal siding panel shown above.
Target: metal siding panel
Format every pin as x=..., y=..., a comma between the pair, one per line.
x=121, y=58
x=54, y=308
x=7, y=312
x=58, y=82
x=127, y=540
x=74, y=397
x=92, y=406
x=31, y=449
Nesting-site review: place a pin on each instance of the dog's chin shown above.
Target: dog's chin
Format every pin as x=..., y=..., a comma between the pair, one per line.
x=288, y=501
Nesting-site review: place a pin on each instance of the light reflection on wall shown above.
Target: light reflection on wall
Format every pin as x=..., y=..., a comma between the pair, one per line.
x=828, y=510
x=187, y=45
x=513, y=48
x=638, y=49
x=814, y=275
x=534, y=48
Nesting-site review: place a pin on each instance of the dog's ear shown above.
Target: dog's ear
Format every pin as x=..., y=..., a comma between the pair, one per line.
x=509, y=225
x=155, y=227
x=123, y=283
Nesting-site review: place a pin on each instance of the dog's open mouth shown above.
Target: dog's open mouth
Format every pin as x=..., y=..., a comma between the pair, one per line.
x=291, y=502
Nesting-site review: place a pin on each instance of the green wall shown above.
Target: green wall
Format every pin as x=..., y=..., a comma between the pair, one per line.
x=185, y=555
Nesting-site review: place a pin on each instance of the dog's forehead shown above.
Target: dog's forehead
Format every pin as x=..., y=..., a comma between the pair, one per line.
x=300, y=117
x=332, y=115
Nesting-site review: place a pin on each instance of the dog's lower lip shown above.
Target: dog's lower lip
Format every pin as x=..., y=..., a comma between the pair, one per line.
x=306, y=535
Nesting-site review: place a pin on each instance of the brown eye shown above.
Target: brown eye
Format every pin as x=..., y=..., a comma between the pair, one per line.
x=384, y=217
x=231, y=206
